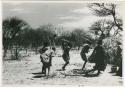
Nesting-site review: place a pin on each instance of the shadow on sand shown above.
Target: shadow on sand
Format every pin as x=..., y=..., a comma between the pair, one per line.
x=38, y=75
x=74, y=72
x=79, y=72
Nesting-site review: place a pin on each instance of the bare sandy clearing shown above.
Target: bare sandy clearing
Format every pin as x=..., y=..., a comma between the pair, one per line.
x=27, y=72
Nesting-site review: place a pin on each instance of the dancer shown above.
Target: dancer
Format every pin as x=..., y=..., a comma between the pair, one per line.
x=83, y=52
x=66, y=46
x=99, y=57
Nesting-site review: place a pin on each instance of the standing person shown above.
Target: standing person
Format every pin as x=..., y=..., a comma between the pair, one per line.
x=46, y=54
x=42, y=51
x=83, y=52
x=119, y=57
x=66, y=46
x=99, y=58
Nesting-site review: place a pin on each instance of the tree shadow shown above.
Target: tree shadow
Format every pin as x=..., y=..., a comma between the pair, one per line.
x=79, y=72
x=11, y=60
x=39, y=75
x=91, y=75
x=74, y=72
x=60, y=70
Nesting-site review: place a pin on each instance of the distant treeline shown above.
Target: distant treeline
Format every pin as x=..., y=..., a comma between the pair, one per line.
x=17, y=33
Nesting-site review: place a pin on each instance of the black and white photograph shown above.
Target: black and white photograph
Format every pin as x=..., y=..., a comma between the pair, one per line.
x=62, y=43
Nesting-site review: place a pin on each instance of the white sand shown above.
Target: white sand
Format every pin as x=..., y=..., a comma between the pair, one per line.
x=17, y=73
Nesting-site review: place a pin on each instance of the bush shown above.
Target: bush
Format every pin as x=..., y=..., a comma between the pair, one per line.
x=110, y=45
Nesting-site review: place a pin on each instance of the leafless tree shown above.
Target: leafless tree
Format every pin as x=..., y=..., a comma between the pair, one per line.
x=106, y=9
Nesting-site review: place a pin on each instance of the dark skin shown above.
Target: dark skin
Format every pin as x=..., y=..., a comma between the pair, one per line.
x=93, y=71
x=84, y=65
x=83, y=55
x=66, y=57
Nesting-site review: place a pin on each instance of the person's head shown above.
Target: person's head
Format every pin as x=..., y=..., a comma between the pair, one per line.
x=86, y=48
x=88, y=42
x=54, y=35
x=65, y=43
x=53, y=48
x=99, y=42
x=64, y=40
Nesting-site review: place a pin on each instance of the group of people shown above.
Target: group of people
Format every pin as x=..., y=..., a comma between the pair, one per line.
x=98, y=56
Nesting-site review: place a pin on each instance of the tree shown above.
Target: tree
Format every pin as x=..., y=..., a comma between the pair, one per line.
x=12, y=27
x=104, y=9
x=79, y=36
x=102, y=28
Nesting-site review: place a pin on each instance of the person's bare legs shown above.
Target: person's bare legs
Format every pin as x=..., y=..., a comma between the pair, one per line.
x=43, y=69
x=84, y=65
x=98, y=72
x=48, y=70
x=67, y=62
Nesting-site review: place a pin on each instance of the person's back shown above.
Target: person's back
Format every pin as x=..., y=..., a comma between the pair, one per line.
x=66, y=50
x=99, y=50
x=99, y=53
x=85, y=49
x=99, y=58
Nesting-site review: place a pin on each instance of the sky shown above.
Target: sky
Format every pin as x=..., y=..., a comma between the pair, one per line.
x=67, y=15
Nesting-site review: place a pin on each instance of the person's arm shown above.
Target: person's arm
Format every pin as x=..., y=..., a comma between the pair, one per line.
x=70, y=45
x=82, y=51
x=40, y=50
x=93, y=53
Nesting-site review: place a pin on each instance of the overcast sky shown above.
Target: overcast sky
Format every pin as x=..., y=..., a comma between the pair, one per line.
x=68, y=15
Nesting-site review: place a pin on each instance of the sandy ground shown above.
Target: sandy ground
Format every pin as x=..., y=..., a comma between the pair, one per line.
x=26, y=72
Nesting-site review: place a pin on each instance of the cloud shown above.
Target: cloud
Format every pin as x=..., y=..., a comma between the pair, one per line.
x=84, y=23
x=23, y=11
x=84, y=11
x=69, y=17
x=17, y=9
x=15, y=3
